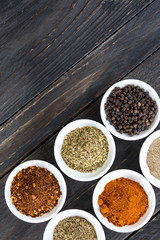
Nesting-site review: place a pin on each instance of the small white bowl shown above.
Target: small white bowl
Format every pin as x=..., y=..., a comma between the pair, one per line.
x=143, y=159
x=74, y=174
x=122, y=84
x=58, y=176
x=135, y=177
x=48, y=233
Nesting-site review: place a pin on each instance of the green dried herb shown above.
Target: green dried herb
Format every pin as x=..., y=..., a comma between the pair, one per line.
x=74, y=228
x=85, y=149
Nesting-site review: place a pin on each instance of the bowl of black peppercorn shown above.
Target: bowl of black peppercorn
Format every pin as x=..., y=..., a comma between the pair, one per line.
x=130, y=109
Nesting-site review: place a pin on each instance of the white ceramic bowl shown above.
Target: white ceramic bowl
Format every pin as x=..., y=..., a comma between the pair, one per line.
x=143, y=159
x=48, y=233
x=135, y=177
x=80, y=176
x=122, y=84
x=58, y=176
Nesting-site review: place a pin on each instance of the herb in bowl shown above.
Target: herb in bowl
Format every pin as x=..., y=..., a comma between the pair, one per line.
x=75, y=227
x=85, y=149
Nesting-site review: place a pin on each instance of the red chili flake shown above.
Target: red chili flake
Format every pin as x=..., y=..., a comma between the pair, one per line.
x=35, y=191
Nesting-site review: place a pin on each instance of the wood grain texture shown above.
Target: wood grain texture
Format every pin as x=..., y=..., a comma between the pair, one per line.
x=80, y=86
x=40, y=40
x=150, y=231
x=80, y=193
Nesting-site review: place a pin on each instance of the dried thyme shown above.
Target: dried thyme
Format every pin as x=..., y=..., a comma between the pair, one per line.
x=85, y=149
x=74, y=228
x=35, y=191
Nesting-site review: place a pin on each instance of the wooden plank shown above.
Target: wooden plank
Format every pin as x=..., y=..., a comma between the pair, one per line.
x=84, y=83
x=80, y=193
x=40, y=40
x=150, y=231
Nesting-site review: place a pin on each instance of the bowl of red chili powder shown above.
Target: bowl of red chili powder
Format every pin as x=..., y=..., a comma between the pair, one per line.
x=35, y=191
x=123, y=200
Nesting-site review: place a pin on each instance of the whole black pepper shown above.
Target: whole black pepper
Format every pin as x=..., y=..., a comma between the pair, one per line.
x=130, y=109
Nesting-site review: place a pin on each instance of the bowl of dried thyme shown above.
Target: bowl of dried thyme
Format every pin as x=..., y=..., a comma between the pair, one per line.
x=149, y=158
x=84, y=150
x=74, y=224
x=35, y=191
x=123, y=200
x=130, y=109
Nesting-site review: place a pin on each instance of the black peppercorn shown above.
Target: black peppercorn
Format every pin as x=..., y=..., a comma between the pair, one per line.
x=130, y=109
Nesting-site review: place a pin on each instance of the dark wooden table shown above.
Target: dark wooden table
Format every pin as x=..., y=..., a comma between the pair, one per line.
x=57, y=58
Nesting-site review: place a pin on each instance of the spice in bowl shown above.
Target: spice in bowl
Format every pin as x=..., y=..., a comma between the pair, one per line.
x=35, y=191
x=85, y=149
x=130, y=109
x=153, y=158
x=74, y=228
x=123, y=202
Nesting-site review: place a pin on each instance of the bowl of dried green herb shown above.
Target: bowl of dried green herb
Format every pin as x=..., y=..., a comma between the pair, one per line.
x=84, y=150
x=123, y=200
x=35, y=191
x=74, y=224
x=149, y=158
x=130, y=109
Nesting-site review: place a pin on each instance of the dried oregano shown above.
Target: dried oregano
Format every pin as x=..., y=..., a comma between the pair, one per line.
x=74, y=228
x=85, y=149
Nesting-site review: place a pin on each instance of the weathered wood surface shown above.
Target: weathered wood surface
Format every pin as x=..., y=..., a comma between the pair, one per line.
x=41, y=40
x=150, y=231
x=80, y=86
x=79, y=193
x=120, y=39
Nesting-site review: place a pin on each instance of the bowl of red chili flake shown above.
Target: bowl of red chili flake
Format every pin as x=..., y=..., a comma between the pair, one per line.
x=35, y=191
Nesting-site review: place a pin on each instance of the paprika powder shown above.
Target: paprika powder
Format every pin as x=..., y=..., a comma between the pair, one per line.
x=123, y=202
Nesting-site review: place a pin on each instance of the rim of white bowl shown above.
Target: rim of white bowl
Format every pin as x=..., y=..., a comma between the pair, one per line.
x=126, y=173
x=58, y=176
x=143, y=159
x=74, y=174
x=48, y=232
x=153, y=94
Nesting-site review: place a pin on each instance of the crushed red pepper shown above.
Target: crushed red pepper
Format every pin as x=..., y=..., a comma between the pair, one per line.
x=35, y=191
